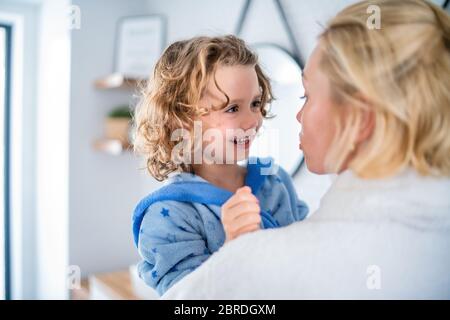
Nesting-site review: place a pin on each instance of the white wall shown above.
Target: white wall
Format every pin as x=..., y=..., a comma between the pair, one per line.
x=190, y=18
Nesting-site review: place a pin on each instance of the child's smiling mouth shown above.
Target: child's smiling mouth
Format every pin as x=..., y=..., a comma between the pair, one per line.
x=243, y=142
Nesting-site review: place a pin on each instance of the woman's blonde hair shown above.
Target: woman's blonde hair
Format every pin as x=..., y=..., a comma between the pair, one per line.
x=401, y=71
x=170, y=99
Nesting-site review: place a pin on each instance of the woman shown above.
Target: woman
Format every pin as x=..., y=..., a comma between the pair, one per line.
x=377, y=112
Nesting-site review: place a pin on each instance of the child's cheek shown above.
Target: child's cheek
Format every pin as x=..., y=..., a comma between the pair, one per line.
x=260, y=122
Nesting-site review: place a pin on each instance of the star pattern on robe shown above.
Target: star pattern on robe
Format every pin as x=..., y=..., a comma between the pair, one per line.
x=154, y=274
x=165, y=212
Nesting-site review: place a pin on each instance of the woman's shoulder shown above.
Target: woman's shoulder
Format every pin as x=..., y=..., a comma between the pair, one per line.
x=408, y=197
x=322, y=259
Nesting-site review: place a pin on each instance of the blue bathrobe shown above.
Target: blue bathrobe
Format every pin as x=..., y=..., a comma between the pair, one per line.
x=177, y=227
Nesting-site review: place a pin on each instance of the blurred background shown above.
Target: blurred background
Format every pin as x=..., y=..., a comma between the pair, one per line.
x=68, y=79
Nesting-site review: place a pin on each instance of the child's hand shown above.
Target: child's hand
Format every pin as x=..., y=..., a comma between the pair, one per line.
x=241, y=214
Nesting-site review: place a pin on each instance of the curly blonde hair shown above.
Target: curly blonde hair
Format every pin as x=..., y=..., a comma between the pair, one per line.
x=169, y=100
x=403, y=70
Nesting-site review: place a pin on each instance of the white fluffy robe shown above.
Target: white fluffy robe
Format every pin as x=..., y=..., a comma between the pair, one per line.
x=370, y=239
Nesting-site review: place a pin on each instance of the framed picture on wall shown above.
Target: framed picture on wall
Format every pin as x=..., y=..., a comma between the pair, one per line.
x=139, y=43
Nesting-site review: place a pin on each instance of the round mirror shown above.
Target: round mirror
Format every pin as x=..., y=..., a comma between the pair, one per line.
x=278, y=137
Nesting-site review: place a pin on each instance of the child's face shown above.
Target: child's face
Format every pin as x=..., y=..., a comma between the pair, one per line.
x=233, y=127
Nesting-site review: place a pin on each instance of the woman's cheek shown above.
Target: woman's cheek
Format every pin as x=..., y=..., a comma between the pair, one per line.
x=310, y=137
x=304, y=137
x=304, y=127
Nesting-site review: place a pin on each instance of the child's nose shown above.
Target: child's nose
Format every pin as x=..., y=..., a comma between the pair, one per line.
x=251, y=120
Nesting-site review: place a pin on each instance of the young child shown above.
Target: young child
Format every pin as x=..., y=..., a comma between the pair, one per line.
x=217, y=83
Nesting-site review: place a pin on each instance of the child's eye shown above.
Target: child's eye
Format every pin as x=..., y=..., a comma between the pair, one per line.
x=232, y=109
x=305, y=97
x=256, y=104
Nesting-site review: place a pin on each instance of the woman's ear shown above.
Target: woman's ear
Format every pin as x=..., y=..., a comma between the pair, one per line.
x=367, y=123
x=367, y=120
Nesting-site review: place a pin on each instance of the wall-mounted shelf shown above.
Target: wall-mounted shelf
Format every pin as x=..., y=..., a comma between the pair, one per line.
x=109, y=145
x=117, y=81
x=112, y=146
x=117, y=285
